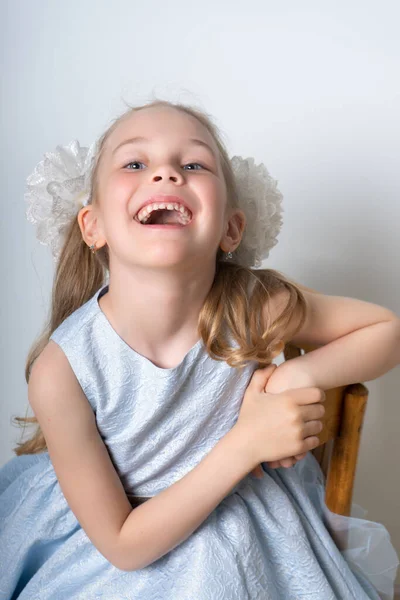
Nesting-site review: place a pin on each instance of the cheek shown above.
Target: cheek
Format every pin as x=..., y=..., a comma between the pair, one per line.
x=116, y=202
x=121, y=185
x=214, y=191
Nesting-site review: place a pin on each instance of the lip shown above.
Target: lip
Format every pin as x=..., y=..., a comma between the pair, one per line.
x=157, y=198
x=164, y=227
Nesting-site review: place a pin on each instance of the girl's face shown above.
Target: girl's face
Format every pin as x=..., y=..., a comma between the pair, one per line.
x=167, y=161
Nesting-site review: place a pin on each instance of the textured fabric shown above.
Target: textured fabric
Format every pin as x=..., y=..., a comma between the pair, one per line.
x=268, y=539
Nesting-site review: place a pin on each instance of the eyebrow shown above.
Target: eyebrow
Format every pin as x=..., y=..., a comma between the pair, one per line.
x=193, y=141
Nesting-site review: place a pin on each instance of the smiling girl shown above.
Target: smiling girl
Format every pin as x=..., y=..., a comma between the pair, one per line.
x=153, y=414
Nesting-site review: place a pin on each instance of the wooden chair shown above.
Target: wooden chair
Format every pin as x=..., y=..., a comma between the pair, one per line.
x=340, y=438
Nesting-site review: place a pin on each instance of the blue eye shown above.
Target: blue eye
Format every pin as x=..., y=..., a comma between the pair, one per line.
x=134, y=162
x=137, y=162
x=201, y=166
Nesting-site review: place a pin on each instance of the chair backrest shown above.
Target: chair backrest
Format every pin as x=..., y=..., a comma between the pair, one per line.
x=340, y=438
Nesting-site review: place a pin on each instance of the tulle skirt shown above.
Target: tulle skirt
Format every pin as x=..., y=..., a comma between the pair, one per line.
x=366, y=545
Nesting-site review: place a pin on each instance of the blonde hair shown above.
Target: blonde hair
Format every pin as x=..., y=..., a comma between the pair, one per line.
x=229, y=305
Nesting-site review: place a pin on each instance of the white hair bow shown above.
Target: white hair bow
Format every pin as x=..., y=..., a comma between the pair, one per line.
x=61, y=184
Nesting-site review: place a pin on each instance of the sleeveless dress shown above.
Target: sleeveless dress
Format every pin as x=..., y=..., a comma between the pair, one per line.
x=268, y=539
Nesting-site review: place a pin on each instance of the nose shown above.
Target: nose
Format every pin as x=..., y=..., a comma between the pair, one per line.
x=168, y=173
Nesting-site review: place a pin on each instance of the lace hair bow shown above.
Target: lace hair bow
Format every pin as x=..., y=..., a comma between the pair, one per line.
x=60, y=186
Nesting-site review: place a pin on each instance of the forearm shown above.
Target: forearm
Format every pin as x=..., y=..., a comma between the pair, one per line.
x=166, y=520
x=360, y=356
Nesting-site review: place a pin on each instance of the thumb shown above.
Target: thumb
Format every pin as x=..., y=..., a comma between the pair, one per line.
x=261, y=376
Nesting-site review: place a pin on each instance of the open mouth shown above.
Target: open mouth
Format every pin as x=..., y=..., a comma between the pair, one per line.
x=164, y=214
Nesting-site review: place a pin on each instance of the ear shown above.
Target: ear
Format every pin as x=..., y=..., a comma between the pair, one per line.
x=233, y=231
x=88, y=221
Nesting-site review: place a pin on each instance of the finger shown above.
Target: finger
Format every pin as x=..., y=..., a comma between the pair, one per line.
x=312, y=412
x=301, y=456
x=274, y=464
x=258, y=472
x=311, y=395
x=287, y=462
x=261, y=376
x=312, y=428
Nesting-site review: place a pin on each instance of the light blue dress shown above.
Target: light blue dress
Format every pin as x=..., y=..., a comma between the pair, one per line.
x=268, y=539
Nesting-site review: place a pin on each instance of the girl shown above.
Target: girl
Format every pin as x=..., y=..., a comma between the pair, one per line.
x=143, y=478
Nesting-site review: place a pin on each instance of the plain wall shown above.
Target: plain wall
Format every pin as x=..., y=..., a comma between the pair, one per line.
x=311, y=89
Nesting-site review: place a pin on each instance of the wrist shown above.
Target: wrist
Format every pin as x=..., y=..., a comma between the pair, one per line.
x=240, y=438
x=289, y=376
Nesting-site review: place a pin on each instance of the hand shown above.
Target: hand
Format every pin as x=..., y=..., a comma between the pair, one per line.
x=282, y=378
x=275, y=422
x=276, y=464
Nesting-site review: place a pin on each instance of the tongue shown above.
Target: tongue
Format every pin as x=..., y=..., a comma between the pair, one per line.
x=165, y=217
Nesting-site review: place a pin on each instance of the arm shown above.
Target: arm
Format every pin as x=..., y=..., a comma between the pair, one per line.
x=356, y=341
x=359, y=356
x=128, y=538
x=169, y=518
x=359, y=341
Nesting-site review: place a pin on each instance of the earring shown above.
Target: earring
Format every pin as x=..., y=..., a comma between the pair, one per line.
x=229, y=255
x=93, y=248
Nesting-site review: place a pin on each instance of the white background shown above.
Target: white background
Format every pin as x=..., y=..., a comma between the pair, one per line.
x=310, y=88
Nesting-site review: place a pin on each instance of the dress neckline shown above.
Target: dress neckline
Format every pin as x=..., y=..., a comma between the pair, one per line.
x=129, y=350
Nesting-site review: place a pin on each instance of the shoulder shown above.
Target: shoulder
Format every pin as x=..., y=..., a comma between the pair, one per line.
x=291, y=312
x=68, y=357
x=329, y=317
x=76, y=321
x=51, y=363
x=55, y=387
x=281, y=299
x=51, y=371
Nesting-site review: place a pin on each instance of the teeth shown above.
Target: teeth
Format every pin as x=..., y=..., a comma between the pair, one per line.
x=144, y=215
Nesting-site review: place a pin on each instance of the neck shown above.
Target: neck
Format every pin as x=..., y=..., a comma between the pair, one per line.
x=156, y=313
